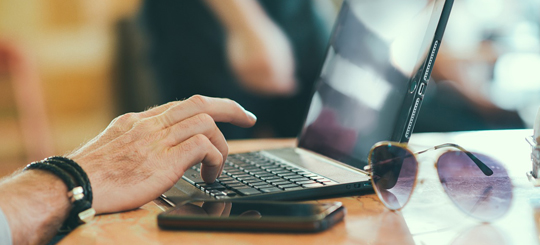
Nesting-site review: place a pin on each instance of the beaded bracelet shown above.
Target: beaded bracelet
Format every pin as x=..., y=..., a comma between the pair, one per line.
x=75, y=171
x=80, y=193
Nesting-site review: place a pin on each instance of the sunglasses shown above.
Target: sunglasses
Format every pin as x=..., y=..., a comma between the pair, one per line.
x=477, y=184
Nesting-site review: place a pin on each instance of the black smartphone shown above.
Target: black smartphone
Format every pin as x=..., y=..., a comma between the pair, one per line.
x=267, y=216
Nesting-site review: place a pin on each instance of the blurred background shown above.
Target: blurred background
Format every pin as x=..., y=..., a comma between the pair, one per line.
x=67, y=68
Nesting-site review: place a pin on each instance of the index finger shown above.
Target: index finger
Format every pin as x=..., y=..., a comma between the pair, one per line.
x=221, y=110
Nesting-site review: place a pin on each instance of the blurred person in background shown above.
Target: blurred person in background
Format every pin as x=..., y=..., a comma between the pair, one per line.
x=265, y=54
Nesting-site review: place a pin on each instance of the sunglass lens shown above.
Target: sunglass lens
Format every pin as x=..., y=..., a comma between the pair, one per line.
x=394, y=172
x=475, y=193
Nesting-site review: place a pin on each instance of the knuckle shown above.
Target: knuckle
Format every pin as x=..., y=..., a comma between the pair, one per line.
x=199, y=100
x=122, y=123
x=196, y=145
x=201, y=144
x=201, y=140
x=126, y=121
x=232, y=102
x=115, y=129
x=145, y=125
x=126, y=118
x=140, y=125
x=205, y=119
x=171, y=103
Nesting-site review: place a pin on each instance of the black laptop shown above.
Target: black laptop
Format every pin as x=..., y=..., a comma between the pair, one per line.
x=370, y=89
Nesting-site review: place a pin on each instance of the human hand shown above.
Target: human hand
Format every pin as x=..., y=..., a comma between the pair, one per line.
x=261, y=57
x=141, y=155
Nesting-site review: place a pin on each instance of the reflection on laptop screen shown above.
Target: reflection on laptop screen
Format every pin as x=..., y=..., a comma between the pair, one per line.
x=374, y=57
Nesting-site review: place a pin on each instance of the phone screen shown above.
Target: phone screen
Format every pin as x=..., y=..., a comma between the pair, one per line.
x=255, y=210
x=253, y=216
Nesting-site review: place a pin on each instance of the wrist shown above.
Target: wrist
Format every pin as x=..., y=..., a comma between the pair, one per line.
x=78, y=186
x=35, y=204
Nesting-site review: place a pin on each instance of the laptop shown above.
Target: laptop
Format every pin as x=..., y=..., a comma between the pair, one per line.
x=370, y=89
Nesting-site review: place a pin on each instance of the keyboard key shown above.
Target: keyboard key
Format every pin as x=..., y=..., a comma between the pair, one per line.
x=248, y=191
x=272, y=178
x=217, y=193
x=248, y=181
x=227, y=182
x=257, y=172
x=270, y=189
x=214, y=185
x=237, y=185
x=281, y=182
x=230, y=193
x=240, y=176
x=264, y=166
x=225, y=178
x=248, y=178
x=287, y=186
x=264, y=175
x=305, y=182
x=294, y=188
x=255, y=183
x=280, y=171
x=263, y=186
x=287, y=174
x=252, y=174
x=300, y=179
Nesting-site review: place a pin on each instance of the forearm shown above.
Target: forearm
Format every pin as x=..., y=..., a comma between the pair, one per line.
x=36, y=204
x=238, y=15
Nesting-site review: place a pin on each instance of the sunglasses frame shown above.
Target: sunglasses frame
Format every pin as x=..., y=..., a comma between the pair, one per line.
x=369, y=168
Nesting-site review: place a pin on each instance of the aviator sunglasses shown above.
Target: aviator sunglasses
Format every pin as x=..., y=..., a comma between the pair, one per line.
x=477, y=184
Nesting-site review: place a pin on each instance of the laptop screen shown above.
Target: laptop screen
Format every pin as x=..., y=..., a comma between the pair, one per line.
x=372, y=65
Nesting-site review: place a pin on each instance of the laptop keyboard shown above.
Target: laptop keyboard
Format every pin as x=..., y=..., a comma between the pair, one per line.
x=252, y=173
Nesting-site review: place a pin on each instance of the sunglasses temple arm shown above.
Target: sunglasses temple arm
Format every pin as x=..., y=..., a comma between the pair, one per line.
x=483, y=167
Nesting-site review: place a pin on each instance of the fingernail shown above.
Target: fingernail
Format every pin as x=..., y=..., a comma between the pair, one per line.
x=250, y=114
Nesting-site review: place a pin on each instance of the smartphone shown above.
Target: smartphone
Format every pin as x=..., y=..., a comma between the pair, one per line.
x=267, y=216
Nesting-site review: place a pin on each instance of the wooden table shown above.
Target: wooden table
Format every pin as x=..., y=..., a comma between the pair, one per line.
x=429, y=218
